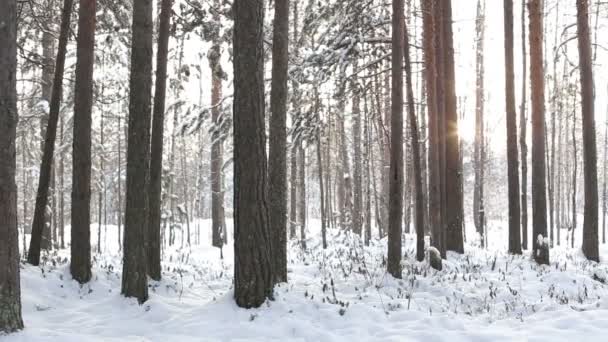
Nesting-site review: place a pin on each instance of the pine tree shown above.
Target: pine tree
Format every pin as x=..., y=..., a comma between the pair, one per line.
x=156, y=149
x=80, y=265
x=253, y=269
x=218, y=222
x=539, y=189
x=590, y=224
x=453, y=168
x=134, y=274
x=10, y=287
x=512, y=158
x=42, y=195
x=396, y=169
x=277, y=158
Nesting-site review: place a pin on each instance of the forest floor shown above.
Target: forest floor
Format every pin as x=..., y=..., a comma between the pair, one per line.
x=340, y=294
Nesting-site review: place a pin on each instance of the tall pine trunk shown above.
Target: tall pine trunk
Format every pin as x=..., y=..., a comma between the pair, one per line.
x=218, y=220
x=539, y=188
x=10, y=287
x=49, y=142
x=522, y=133
x=134, y=272
x=277, y=155
x=453, y=168
x=156, y=149
x=511, y=118
x=80, y=265
x=590, y=223
x=253, y=268
x=396, y=160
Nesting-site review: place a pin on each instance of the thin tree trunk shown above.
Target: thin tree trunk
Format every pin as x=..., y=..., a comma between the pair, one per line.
x=478, y=214
x=49, y=142
x=119, y=181
x=522, y=133
x=156, y=149
x=512, y=158
x=539, y=193
x=574, y=175
x=217, y=159
x=357, y=208
x=590, y=222
x=396, y=169
x=320, y=171
x=302, y=193
x=416, y=157
x=605, y=174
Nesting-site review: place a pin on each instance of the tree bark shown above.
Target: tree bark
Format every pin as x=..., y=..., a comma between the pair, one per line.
x=80, y=265
x=10, y=286
x=38, y=224
x=253, y=268
x=539, y=189
x=277, y=158
x=430, y=61
x=218, y=221
x=522, y=133
x=453, y=170
x=396, y=168
x=156, y=149
x=512, y=158
x=590, y=223
x=134, y=273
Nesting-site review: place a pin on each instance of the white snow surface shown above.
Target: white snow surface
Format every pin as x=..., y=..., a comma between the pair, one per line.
x=340, y=294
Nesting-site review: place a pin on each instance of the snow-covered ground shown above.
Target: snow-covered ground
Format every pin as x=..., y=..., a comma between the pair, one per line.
x=341, y=294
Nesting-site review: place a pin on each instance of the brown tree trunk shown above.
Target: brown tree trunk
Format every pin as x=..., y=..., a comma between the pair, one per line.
x=453, y=169
x=156, y=149
x=539, y=189
x=512, y=158
x=38, y=224
x=218, y=220
x=590, y=223
x=80, y=265
x=277, y=155
x=522, y=133
x=396, y=169
x=134, y=272
x=10, y=287
x=430, y=61
x=253, y=268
